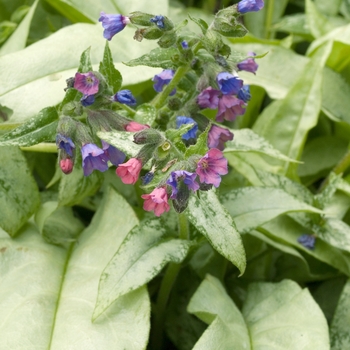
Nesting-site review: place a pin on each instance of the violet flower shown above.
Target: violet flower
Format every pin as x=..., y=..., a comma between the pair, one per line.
x=114, y=155
x=244, y=94
x=228, y=83
x=249, y=64
x=185, y=176
x=65, y=143
x=125, y=97
x=245, y=6
x=162, y=79
x=158, y=21
x=229, y=108
x=190, y=134
x=217, y=137
x=208, y=98
x=112, y=24
x=308, y=241
x=87, y=100
x=94, y=158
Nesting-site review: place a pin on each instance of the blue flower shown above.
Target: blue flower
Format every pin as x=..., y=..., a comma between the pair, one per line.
x=185, y=176
x=162, y=79
x=159, y=21
x=94, y=158
x=184, y=44
x=125, y=97
x=114, y=155
x=112, y=24
x=191, y=134
x=244, y=93
x=308, y=241
x=65, y=143
x=245, y=6
x=147, y=178
x=87, y=100
x=229, y=84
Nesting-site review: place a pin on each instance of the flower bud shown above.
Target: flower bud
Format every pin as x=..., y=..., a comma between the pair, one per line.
x=162, y=22
x=148, y=136
x=141, y=18
x=66, y=165
x=174, y=104
x=151, y=33
x=167, y=40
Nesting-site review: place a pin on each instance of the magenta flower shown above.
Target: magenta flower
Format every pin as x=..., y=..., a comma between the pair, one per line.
x=228, y=83
x=66, y=165
x=94, y=158
x=208, y=98
x=249, y=64
x=113, y=154
x=156, y=201
x=162, y=79
x=217, y=137
x=229, y=108
x=211, y=166
x=129, y=172
x=135, y=126
x=112, y=24
x=185, y=176
x=87, y=83
x=245, y=6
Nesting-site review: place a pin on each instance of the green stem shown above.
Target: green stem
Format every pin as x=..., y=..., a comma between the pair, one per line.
x=41, y=147
x=131, y=111
x=269, y=18
x=165, y=289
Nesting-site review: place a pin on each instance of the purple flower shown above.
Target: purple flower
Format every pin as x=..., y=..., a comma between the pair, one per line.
x=208, y=98
x=147, y=178
x=211, y=166
x=249, y=64
x=162, y=79
x=308, y=241
x=250, y=5
x=229, y=84
x=87, y=83
x=191, y=134
x=112, y=24
x=185, y=176
x=94, y=158
x=159, y=21
x=229, y=108
x=87, y=100
x=66, y=143
x=113, y=154
x=217, y=137
x=244, y=93
x=124, y=96
x=184, y=44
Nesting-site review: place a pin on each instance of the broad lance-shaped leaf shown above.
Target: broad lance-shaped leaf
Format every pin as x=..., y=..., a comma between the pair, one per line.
x=112, y=75
x=141, y=256
x=210, y=218
x=317, y=22
x=246, y=140
x=339, y=332
x=298, y=112
x=251, y=207
x=38, y=129
x=47, y=293
x=19, y=194
x=146, y=114
x=275, y=316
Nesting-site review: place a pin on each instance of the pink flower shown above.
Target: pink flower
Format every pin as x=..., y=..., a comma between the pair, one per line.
x=208, y=98
x=157, y=200
x=129, y=172
x=66, y=165
x=217, y=137
x=134, y=126
x=229, y=108
x=87, y=83
x=211, y=166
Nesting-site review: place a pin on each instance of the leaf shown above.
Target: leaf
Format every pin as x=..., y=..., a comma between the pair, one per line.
x=273, y=313
x=294, y=24
x=203, y=25
x=19, y=195
x=146, y=114
x=158, y=57
x=339, y=331
x=18, y=39
x=73, y=188
x=212, y=220
x=38, y=129
x=59, y=287
x=141, y=256
x=246, y=140
x=122, y=140
x=112, y=75
x=251, y=207
x=201, y=146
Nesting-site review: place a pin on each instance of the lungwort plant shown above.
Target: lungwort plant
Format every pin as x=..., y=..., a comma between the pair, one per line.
x=184, y=185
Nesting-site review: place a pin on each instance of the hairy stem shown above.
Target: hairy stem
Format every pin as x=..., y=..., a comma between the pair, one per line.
x=41, y=147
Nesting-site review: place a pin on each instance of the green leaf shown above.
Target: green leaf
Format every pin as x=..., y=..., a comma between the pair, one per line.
x=18, y=39
x=246, y=140
x=146, y=114
x=122, y=140
x=273, y=313
x=212, y=220
x=38, y=129
x=57, y=225
x=59, y=287
x=339, y=331
x=203, y=25
x=294, y=24
x=251, y=207
x=112, y=75
x=201, y=146
x=6, y=29
x=141, y=256
x=19, y=195
x=329, y=8
x=75, y=187
x=158, y=57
